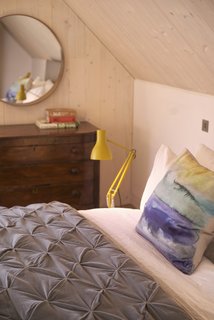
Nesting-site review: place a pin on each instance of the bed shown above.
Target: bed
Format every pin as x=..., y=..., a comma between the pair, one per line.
x=194, y=293
x=60, y=263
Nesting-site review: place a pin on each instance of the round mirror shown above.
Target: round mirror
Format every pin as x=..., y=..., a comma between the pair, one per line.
x=31, y=60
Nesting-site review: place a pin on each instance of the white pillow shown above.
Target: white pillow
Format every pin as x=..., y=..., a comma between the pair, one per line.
x=205, y=156
x=37, y=82
x=163, y=159
x=34, y=94
x=48, y=85
x=38, y=91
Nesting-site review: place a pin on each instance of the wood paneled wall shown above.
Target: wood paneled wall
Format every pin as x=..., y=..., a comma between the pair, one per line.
x=93, y=82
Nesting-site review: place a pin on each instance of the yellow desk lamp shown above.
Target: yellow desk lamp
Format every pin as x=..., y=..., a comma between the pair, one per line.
x=101, y=151
x=21, y=95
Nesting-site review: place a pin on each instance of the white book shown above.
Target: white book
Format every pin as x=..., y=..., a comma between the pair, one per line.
x=43, y=124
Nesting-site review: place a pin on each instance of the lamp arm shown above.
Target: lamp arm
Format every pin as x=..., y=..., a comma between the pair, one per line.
x=119, y=178
x=119, y=145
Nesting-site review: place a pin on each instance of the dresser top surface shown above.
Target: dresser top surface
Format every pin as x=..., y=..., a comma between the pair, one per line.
x=31, y=130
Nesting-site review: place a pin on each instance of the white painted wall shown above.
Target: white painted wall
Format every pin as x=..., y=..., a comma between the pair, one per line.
x=11, y=52
x=168, y=115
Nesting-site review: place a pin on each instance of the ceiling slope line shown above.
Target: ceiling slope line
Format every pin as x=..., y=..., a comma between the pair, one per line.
x=95, y=35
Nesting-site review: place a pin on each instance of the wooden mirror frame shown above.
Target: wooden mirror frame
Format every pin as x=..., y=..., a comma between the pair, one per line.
x=47, y=32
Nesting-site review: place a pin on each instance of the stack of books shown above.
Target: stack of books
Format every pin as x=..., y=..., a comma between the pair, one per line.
x=58, y=118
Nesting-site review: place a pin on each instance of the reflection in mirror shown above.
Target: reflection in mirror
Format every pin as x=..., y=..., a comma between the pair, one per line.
x=30, y=57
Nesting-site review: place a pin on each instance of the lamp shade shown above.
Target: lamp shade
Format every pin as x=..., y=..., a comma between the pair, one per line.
x=20, y=96
x=101, y=150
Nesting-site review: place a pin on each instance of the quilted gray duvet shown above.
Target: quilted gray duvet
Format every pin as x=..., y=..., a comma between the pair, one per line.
x=55, y=265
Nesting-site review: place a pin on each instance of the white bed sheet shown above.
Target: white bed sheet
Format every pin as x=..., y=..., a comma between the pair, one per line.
x=194, y=292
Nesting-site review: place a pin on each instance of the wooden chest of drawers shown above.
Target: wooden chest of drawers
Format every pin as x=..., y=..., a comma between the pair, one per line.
x=42, y=165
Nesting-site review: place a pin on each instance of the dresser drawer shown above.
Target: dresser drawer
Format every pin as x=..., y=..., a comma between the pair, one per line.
x=46, y=173
x=44, y=153
x=51, y=138
x=79, y=195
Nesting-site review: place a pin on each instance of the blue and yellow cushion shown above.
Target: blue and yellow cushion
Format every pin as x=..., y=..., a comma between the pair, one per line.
x=178, y=218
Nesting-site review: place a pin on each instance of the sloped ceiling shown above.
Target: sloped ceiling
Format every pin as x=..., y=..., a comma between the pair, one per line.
x=35, y=37
x=165, y=41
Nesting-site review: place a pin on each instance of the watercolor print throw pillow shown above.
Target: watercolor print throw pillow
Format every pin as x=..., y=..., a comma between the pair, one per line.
x=178, y=218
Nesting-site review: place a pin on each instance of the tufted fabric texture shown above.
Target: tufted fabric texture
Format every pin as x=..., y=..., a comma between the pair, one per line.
x=54, y=265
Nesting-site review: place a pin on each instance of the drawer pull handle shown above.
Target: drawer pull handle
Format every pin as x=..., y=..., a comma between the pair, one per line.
x=74, y=150
x=35, y=190
x=35, y=146
x=74, y=171
x=75, y=193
